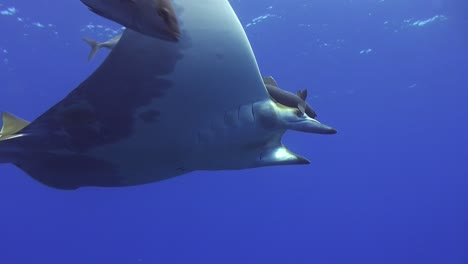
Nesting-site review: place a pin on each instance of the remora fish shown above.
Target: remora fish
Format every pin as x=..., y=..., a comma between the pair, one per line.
x=96, y=46
x=196, y=104
x=287, y=98
x=155, y=18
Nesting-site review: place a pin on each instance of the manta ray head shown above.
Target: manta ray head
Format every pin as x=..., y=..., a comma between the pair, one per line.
x=275, y=119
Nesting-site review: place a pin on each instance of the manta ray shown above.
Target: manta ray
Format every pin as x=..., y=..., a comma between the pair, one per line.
x=156, y=109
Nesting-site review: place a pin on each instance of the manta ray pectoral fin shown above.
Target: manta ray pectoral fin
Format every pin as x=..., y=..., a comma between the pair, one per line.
x=11, y=125
x=280, y=155
x=67, y=172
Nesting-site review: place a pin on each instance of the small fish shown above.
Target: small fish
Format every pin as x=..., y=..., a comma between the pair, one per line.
x=96, y=46
x=289, y=99
x=155, y=18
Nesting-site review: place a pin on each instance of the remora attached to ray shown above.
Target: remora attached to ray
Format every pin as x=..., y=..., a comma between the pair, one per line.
x=156, y=109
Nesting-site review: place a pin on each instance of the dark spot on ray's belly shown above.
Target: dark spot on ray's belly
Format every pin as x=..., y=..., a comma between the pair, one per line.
x=150, y=116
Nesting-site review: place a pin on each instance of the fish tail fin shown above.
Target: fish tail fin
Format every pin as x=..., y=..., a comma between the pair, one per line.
x=11, y=128
x=11, y=124
x=95, y=46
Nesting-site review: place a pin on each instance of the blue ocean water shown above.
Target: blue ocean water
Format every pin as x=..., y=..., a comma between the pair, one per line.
x=390, y=187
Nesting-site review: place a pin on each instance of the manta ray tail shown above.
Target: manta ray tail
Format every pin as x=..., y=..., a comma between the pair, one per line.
x=94, y=47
